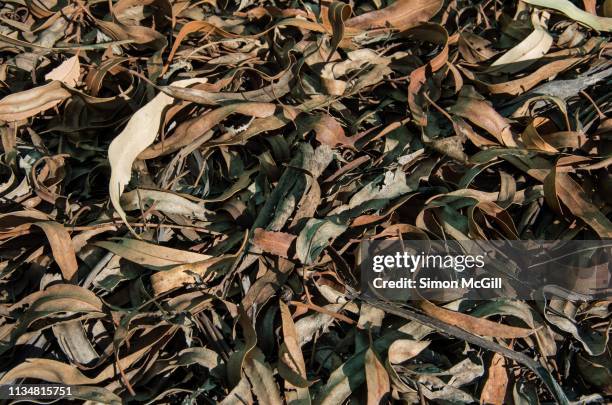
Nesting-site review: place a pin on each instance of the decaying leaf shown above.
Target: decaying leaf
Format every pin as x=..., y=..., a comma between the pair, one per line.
x=68, y=72
x=149, y=254
x=496, y=386
x=28, y=103
x=569, y=9
x=193, y=195
x=376, y=378
x=291, y=361
x=139, y=133
x=526, y=52
x=401, y=14
x=474, y=325
x=61, y=245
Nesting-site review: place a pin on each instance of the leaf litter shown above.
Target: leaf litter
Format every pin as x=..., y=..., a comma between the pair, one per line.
x=184, y=186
